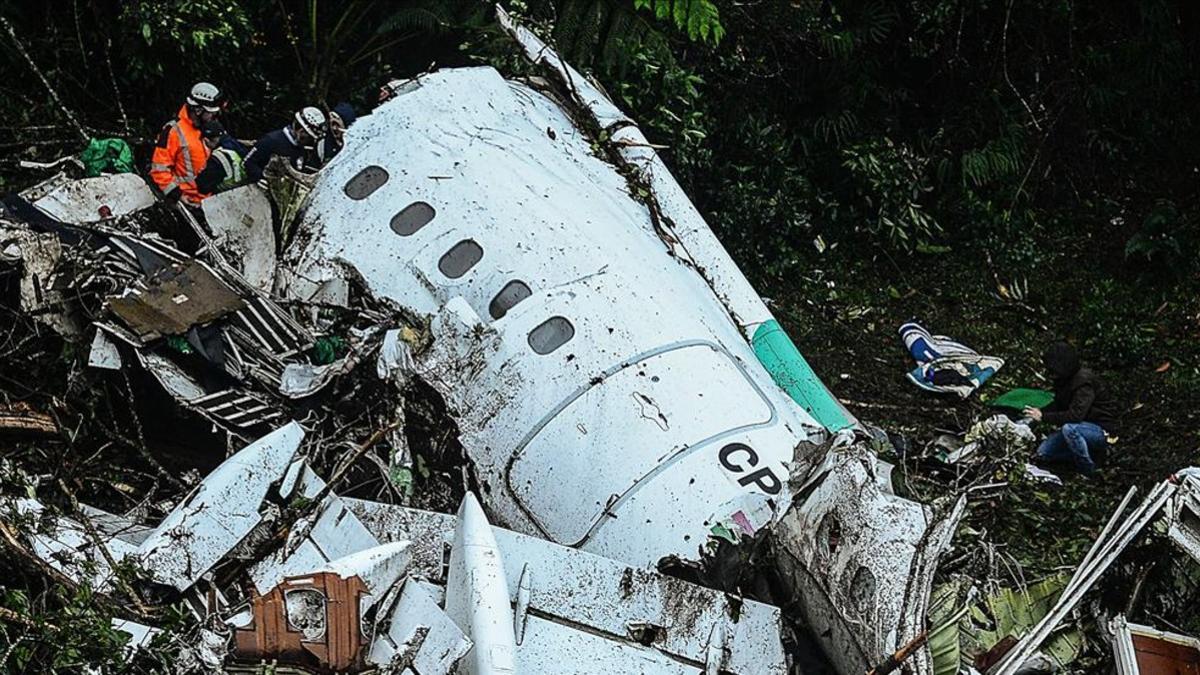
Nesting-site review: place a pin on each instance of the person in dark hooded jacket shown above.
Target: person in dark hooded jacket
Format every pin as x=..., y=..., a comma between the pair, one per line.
x=1081, y=409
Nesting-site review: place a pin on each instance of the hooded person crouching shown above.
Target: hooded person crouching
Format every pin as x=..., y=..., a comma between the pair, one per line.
x=1082, y=410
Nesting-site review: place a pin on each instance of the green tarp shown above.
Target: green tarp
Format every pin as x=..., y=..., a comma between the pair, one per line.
x=106, y=155
x=1018, y=399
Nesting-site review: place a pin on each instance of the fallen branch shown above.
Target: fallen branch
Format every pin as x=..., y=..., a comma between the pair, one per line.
x=893, y=662
x=140, y=607
x=27, y=421
x=7, y=614
x=10, y=540
x=890, y=406
x=38, y=71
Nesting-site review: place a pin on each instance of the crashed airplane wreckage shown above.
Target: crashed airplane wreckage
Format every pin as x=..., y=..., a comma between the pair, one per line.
x=617, y=385
x=622, y=396
x=363, y=585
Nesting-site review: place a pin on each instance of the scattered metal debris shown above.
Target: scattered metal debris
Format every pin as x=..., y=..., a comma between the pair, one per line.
x=1142, y=650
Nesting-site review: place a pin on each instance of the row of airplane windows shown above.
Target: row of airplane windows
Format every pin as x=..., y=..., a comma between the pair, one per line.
x=544, y=339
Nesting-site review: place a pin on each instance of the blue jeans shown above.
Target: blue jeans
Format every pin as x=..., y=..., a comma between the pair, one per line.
x=1077, y=442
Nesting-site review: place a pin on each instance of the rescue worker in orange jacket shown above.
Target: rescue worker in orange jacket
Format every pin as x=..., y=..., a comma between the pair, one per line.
x=180, y=153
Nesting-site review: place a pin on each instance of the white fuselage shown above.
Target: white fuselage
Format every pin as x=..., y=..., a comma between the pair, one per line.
x=652, y=421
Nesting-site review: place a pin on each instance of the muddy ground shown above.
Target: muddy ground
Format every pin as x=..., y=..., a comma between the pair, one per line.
x=1135, y=324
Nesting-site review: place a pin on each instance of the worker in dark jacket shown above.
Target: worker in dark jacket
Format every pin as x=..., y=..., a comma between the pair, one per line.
x=225, y=169
x=296, y=142
x=1081, y=409
x=340, y=118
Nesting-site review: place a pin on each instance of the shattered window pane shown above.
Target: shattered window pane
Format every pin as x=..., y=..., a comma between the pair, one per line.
x=412, y=218
x=508, y=297
x=306, y=612
x=366, y=181
x=829, y=534
x=551, y=334
x=460, y=259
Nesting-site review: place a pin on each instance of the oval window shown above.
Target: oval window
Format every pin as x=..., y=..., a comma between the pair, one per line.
x=306, y=612
x=829, y=534
x=508, y=297
x=460, y=258
x=412, y=218
x=862, y=590
x=551, y=334
x=365, y=182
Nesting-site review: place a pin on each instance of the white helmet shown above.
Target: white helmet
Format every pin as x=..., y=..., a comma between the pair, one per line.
x=206, y=96
x=312, y=121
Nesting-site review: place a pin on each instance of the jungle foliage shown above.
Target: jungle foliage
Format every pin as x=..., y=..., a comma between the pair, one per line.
x=898, y=124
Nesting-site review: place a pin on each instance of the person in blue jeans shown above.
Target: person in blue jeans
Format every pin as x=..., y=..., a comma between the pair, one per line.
x=1082, y=409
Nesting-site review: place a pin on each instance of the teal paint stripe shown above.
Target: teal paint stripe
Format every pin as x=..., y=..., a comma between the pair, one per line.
x=778, y=354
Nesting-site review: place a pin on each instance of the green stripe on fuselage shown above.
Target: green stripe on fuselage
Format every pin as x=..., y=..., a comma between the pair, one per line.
x=778, y=354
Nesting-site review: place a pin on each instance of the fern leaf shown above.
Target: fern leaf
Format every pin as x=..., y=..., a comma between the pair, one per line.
x=700, y=20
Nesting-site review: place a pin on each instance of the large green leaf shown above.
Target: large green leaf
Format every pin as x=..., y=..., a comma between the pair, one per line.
x=1008, y=612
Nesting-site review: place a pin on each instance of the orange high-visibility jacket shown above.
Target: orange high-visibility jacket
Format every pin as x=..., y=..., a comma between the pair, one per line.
x=179, y=156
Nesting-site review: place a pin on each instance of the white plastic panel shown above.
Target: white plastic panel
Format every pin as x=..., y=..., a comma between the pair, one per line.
x=92, y=200
x=220, y=512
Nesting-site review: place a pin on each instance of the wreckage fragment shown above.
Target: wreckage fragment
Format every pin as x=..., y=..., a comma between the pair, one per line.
x=240, y=221
x=416, y=633
x=477, y=594
x=370, y=606
x=86, y=201
x=66, y=546
x=317, y=619
x=1184, y=514
x=220, y=512
x=607, y=615
x=861, y=557
x=1142, y=650
x=175, y=299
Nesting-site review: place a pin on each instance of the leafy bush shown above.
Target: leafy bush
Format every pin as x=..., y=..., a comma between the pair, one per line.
x=1158, y=239
x=1117, y=323
x=700, y=19
x=889, y=179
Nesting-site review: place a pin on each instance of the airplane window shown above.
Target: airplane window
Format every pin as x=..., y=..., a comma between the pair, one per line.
x=460, y=258
x=551, y=334
x=365, y=182
x=829, y=533
x=862, y=590
x=306, y=612
x=508, y=297
x=412, y=218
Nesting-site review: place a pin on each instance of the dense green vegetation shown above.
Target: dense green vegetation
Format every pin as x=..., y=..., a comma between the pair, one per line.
x=1006, y=171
